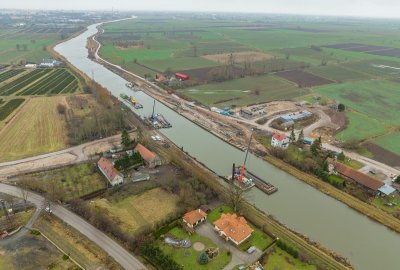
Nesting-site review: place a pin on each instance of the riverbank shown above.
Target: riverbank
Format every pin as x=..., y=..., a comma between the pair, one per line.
x=362, y=207
x=196, y=117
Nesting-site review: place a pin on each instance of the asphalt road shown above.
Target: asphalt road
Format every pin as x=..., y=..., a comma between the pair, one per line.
x=117, y=252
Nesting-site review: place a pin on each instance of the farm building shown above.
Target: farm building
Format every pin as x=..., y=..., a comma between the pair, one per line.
x=289, y=119
x=280, y=140
x=31, y=65
x=150, y=158
x=246, y=114
x=233, y=228
x=182, y=77
x=113, y=176
x=50, y=63
x=351, y=175
x=386, y=190
x=193, y=218
x=161, y=78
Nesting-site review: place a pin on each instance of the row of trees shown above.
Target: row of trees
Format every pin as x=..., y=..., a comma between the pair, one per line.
x=20, y=47
x=158, y=257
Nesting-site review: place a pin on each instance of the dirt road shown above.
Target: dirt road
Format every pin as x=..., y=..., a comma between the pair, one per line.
x=120, y=255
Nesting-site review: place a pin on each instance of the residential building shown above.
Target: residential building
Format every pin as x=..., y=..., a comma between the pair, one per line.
x=113, y=176
x=352, y=175
x=150, y=158
x=233, y=228
x=194, y=218
x=280, y=140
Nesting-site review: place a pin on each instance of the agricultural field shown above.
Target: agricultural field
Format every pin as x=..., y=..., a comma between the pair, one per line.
x=377, y=99
x=8, y=108
x=37, y=128
x=25, y=47
x=339, y=73
x=42, y=82
x=361, y=127
x=134, y=212
x=302, y=78
x=244, y=91
x=4, y=76
x=390, y=142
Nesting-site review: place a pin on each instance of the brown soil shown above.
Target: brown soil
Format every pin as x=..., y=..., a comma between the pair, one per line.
x=383, y=155
x=302, y=78
x=337, y=118
x=238, y=57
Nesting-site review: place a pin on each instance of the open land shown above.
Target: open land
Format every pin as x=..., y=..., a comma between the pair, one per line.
x=134, y=212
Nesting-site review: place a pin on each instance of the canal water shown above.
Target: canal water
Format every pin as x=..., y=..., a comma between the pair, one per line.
x=367, y=244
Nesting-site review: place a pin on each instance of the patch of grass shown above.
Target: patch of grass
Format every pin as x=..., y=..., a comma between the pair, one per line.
x=339, y=73
x=38, y=128
x=280, y=259
x=188, y=257
x=215, y=214
x=79, y=248
x=380, y=203
x=136, y=211
x=179, y=63
x=390, y=142
x=361, y=127
x=352, y=163
x=244, y=91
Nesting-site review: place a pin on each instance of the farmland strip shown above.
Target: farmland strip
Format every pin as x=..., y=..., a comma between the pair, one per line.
x=41, y=83
x=9, y=107
x=22, y=82
x=9, y=74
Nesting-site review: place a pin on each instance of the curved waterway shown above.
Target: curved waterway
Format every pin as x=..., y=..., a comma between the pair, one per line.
x=367, y=244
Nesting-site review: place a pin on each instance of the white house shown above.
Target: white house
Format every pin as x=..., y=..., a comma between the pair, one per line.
x=280, y=140
x=107, y=168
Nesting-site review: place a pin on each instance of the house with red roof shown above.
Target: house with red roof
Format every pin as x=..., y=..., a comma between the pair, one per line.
x=150, y=158
x=194, y=218
x=280, y=140
x=113, y=176
x=233, y=228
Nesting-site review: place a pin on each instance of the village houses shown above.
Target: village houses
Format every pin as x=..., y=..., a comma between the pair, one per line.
x=113, y=176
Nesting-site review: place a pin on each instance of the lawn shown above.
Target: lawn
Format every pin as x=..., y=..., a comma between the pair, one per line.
x=279, y=259
x=390, y=142
x=133, y=212
x=188, y=257
x=244, y=91
x=380, y=203
x=375, y=98
x=352, y=163
x=361, y=127
x=257, y=239
x=74, y=181
x=38, y=128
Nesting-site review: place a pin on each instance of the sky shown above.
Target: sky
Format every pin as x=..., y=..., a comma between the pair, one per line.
x=361, y=8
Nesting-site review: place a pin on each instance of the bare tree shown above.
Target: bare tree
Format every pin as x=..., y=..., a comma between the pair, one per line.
x=23, y=186
x=235, y=197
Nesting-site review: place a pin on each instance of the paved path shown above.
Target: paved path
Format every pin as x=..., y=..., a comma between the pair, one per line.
x=238, y=256
x=120, y=255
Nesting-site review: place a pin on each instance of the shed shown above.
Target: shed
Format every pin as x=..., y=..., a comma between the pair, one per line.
x=386, y=190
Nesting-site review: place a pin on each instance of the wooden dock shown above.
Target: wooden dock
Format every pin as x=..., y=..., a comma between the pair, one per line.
x=264, y=186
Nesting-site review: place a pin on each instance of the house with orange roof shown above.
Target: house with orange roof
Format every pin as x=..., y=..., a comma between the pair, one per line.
x=113, y=176
x=193, y=218
x=150, y=158
x=233, y=228
x=280, y=140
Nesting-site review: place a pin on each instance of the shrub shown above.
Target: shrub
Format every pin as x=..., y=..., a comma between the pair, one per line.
x=203, y=258
x=35, y=232
x=65, y=257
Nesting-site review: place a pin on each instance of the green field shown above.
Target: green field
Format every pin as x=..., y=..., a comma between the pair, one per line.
x=244, y=91
x=390, y=142
x=376, y=99
x=9, y=107
x=280, y=259
x=339, y=73
x=35, y=47
x=42, y=82
x=361, y=127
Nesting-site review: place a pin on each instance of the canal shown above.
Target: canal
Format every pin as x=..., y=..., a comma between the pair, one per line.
x=367, y=244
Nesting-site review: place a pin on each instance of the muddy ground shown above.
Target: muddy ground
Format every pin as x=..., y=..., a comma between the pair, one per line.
x=383, y=155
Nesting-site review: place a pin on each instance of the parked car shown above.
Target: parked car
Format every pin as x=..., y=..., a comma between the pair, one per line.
x=251, y=249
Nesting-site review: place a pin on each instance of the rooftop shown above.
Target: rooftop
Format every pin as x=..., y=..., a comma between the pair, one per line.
x=108, y=169
x=359, y=177
x=146, y=154
x=279, y=136
x=194, y=216
x=234, y=227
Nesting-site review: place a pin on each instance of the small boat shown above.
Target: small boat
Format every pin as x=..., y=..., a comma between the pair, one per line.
x=138, y=106
x=123, y=96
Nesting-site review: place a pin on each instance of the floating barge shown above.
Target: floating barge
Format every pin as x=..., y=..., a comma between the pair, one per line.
x=264, y=186
x=132, y=85
x=157, y=120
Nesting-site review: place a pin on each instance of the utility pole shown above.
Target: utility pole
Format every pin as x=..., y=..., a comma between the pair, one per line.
x=248, y=147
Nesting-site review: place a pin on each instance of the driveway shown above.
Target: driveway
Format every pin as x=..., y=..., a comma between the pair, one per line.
x=238, y=256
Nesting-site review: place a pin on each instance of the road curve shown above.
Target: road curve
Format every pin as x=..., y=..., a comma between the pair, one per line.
x=113, y=249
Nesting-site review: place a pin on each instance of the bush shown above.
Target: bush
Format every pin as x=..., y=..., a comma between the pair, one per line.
x=290, y=250
x=65, y=257
x=35, y=232
x=157, y=257
x=203, y=258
